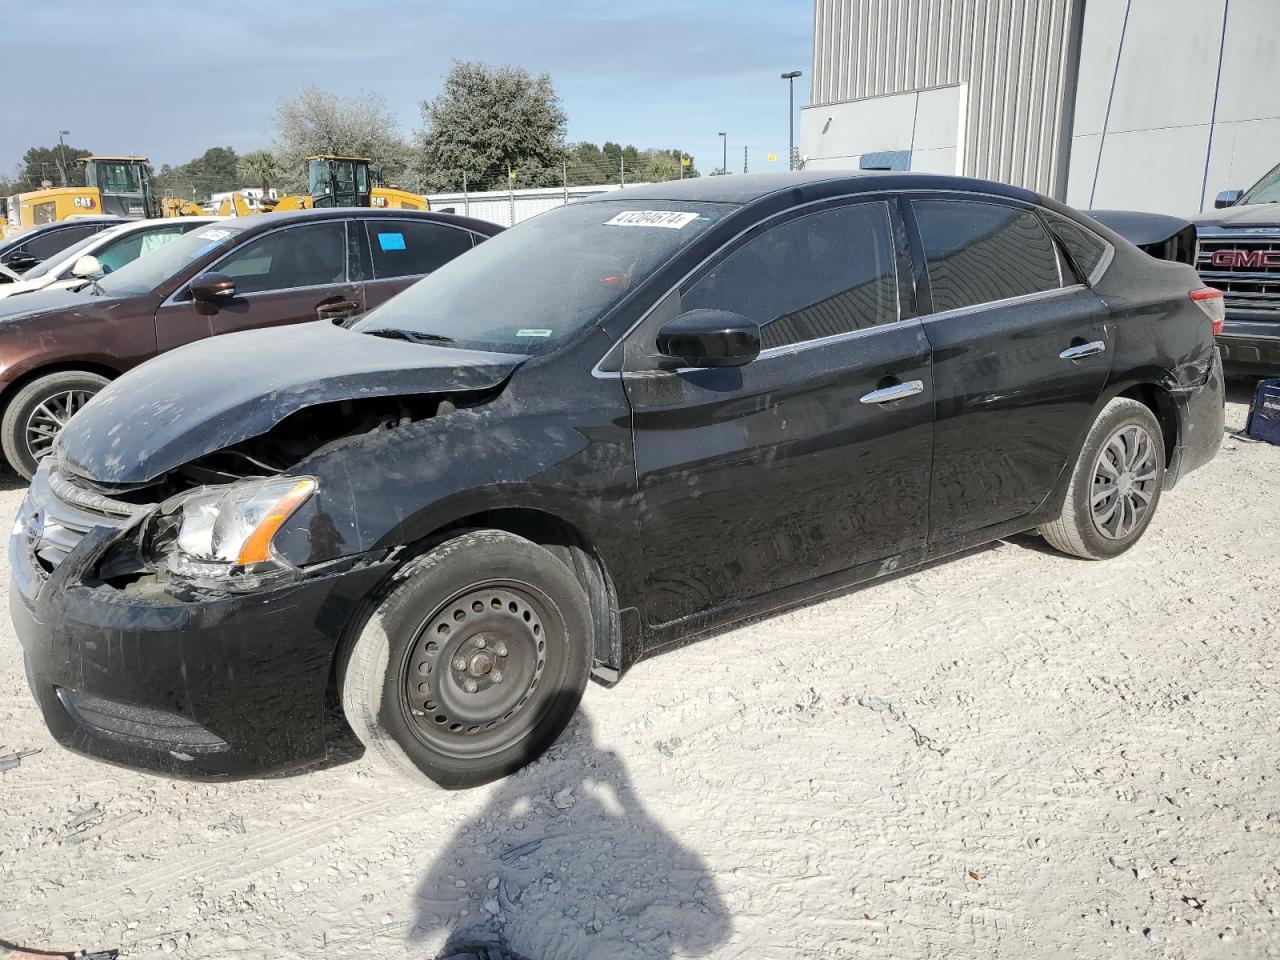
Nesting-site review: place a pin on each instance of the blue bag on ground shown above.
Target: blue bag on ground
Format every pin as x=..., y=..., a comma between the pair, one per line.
x=1264, y=413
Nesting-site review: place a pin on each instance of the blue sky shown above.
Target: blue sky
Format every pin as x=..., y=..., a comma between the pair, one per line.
x=168, y=79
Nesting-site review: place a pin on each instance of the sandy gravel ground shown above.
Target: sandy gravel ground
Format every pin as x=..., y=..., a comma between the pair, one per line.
x=1010, y=754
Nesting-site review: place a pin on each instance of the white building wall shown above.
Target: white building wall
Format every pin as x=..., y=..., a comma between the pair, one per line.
x=509, y=207
x=1175, y=105
x=925, y=123
x=1006, y=61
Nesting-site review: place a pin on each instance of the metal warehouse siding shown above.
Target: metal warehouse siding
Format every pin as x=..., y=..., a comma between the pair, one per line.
x=1012, y=54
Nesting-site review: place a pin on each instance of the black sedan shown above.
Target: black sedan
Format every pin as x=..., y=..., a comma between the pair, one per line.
x=617, y=425
x=27, y=248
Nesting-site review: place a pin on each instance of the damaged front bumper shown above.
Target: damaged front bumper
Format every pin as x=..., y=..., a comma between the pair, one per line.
x=202, y=685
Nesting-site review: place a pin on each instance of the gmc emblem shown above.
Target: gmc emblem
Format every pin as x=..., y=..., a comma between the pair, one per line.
x=1249, y=259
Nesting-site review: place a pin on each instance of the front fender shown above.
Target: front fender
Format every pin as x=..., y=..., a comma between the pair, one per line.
x=397, y=487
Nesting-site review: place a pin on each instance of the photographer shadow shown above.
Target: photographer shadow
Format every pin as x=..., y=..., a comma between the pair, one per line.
x=564, y=862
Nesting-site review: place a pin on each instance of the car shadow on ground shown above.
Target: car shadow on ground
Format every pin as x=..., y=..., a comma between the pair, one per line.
x=9, y=480
x=565, y=861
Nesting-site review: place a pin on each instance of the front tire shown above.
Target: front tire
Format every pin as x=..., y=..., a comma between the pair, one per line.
x=1115, y=486
x=38, y=412
x=473, y=664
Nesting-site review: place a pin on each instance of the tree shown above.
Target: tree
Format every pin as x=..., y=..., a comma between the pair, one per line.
x=487, y=122
x=217, y=170
x=589, y=164
x=43, y=163
x=261, y=167
x=317, y=122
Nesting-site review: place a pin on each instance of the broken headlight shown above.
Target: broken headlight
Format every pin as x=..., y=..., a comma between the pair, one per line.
x=225, y=532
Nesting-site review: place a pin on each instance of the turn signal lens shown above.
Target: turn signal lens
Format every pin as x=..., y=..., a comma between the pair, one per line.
x=257, y=548
x=1212, y=303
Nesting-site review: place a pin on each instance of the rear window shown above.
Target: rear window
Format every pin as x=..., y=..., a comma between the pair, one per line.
x=403, y=248
x=980, y=252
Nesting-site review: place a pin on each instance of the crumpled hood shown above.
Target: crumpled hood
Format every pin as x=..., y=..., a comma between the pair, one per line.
x=1250, y=215
x=216, y=392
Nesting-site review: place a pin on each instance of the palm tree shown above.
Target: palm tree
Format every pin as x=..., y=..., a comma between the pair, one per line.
x=260, y=166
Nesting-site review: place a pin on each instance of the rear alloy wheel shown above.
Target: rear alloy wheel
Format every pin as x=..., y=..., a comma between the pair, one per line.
x=1116, y=484
x=474, y=663
x=38, y=412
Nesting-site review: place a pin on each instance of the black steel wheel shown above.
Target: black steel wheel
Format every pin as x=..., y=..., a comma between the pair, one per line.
x=472, y=675
x=473, y=664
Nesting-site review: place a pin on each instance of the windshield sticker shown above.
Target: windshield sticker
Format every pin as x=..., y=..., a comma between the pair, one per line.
x=213, y=235
x=527, y=332
x=671, y=219
x=391, y=241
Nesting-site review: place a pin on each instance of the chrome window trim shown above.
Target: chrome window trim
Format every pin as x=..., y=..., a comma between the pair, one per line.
x=883, y=196
x=1006, y=302
x=834, y=338
x=1104, y=262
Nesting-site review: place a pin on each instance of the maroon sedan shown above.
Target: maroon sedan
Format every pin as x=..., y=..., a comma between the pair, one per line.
x=59, y=348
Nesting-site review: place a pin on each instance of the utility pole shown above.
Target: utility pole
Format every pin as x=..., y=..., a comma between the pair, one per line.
x=622, y=170
x=724, y=152
x=62, y=148
x=564, y=178
x=744, y=159
x=790, y=77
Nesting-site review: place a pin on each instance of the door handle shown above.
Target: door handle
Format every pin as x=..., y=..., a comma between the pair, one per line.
x=337, y=311
x=898, y=391
x=1083, y=350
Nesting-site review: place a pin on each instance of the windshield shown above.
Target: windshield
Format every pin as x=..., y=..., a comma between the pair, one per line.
x=115, y=177
x=147, y=273
x=1266, y=190
x=529, y=287
x=68, y=256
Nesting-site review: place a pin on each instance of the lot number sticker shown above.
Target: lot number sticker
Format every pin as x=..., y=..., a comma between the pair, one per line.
x=671, y=219
x=391, y=241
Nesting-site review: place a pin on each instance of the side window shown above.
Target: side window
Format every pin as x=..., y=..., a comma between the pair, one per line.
x=113, y=256
x=55, y=241
x=404, y=248
x=1086, y=248
x=981, y=252
x=307, y=256
x=817, y=276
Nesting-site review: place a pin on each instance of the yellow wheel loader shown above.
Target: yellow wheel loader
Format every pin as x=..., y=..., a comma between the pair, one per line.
x=334, y=181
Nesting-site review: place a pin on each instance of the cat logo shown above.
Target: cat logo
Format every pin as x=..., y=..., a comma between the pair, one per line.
x=85, y=203
x=377, y=201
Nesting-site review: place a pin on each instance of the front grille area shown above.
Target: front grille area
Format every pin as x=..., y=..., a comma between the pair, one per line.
x=153, y=727
x=64, y=511
x=1246, y=268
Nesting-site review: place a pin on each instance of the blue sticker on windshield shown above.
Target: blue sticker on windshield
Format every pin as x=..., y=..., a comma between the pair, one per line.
x=391, y=241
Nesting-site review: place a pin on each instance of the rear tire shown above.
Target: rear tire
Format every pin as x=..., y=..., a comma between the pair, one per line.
x=35, y=415
x=1115, y=485
x=473, y=664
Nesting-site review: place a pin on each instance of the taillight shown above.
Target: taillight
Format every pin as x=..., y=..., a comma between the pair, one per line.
x=1215, y=308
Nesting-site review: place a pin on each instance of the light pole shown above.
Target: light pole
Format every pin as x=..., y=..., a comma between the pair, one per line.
x=724, y=151
x=62, y=149
x=790, y=77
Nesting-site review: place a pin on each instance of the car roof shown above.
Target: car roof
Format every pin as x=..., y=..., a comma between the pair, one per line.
x=256, y=223
x=130, y=226
x=744, y=188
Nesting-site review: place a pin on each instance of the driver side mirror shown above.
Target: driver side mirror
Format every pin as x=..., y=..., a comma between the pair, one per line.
x=710, y=338
x=87, y=267
x=212, y=287
x=1227, y=198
